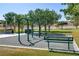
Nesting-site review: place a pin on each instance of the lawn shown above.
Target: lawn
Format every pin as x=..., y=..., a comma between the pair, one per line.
x=75, y=34
x=7, y=51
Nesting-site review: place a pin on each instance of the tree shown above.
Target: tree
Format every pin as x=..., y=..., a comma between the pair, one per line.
x=38, y=14
x=10, y=21
x=31, y=18
x=72, y=12
x=75, y=21
x=43, y=17
x=21, y=18
x=51, y=17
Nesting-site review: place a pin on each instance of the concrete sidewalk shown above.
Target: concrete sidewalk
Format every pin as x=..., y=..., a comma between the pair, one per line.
x=10, y=35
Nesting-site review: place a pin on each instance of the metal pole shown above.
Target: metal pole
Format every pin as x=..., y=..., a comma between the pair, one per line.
x=39, y=29
x=19, y=31
x=32, y=30
x=28, y=30
x=45, y=28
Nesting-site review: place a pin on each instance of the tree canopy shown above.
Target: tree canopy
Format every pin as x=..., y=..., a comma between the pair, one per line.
x=72, y=13
x=36, y=17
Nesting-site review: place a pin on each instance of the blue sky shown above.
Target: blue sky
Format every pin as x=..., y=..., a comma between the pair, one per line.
x=23, y=8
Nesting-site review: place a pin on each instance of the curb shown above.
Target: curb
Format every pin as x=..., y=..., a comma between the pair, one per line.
x=11, y=46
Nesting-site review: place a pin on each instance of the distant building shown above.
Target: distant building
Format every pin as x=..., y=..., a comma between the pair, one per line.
x=68, y=24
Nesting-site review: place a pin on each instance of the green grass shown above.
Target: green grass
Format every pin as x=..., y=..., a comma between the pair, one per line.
x=52, y=31
x=31, y=52
x=1, y=30
x=76, y=36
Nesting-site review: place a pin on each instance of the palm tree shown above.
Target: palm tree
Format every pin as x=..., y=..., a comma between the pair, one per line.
x=22, y=21
x=38, y=14
x=51, y=17
x=32, y=19
x=9, y=17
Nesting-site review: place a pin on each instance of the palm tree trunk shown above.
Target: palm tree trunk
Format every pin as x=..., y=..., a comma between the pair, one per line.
x=11, y=28
x=49, y=28
x=22, y=28
x=61, y=27
x=39, y=28
x=14, y=28
x=14, y=24
x=45, y=26
x=32, y=29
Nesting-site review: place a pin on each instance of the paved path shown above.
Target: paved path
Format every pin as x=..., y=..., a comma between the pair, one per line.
x=13, y=40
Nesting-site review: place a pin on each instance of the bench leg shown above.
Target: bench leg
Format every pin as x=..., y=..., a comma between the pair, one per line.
x=48, y=44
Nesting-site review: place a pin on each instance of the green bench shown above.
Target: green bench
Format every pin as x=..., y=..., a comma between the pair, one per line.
x=58, y=38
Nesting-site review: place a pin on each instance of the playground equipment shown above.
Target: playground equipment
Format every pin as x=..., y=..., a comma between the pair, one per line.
x=60, y=38
x=29, y=32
